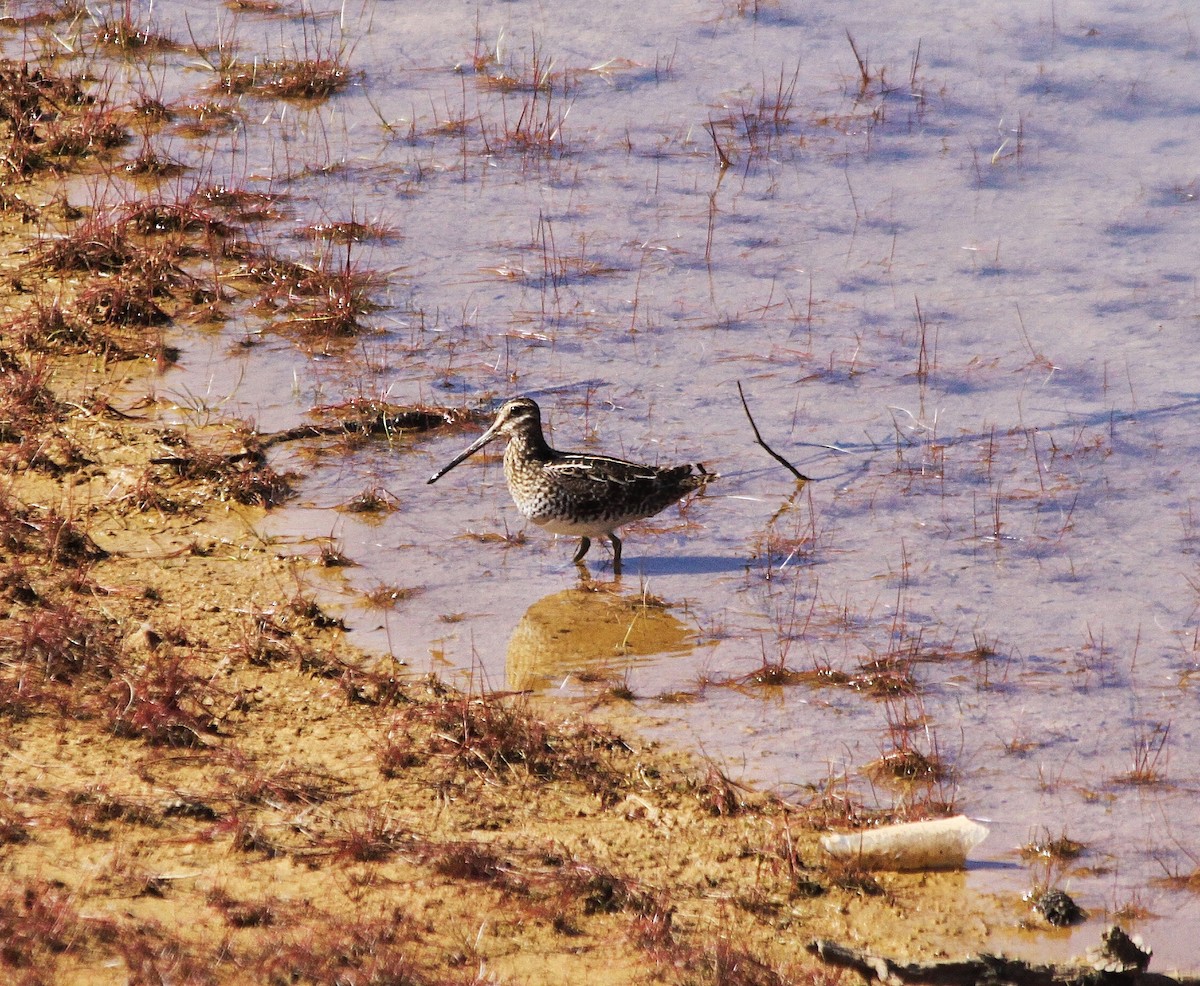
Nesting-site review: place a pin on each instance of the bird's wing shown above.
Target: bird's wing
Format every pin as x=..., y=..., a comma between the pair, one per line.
x=592, y=472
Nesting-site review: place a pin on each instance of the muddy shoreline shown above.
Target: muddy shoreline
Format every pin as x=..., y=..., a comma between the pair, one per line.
x=205, y=779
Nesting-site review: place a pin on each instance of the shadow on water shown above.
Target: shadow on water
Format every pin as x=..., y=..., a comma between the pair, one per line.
x=916, y=433
x=682, y=565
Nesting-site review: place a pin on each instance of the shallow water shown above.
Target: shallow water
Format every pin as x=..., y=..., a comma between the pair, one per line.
x=961, y=294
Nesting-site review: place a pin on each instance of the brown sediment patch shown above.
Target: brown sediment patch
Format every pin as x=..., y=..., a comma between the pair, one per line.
x=589, y=630
x=204, y=781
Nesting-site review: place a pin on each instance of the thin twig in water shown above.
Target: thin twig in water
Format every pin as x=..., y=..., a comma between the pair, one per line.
x=770, y=451
x=721, y=155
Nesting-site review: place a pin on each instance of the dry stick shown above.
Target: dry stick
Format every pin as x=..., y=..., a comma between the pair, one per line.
x=993, y=968
x=770, y=451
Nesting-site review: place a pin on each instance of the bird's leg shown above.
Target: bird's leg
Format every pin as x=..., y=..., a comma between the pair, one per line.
x=616, y=543
x=584, y=544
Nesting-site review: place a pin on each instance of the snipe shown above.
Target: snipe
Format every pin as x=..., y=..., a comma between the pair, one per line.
x=573, y=492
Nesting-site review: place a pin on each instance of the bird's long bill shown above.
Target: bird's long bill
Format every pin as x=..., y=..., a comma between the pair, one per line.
x=474, y=447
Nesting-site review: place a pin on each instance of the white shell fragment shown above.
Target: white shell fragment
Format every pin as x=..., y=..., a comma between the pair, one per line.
x=941, y=844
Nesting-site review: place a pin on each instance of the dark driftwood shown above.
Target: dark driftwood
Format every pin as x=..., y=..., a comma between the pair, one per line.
x=367, y=418
x=770, y=451
x=993, y=970
x=352, y=418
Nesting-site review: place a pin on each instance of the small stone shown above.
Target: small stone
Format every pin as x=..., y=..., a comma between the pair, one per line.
x=144, y=640
x=1058, y=908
